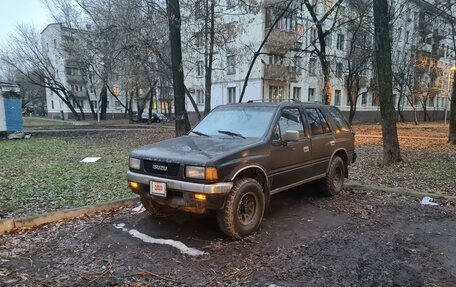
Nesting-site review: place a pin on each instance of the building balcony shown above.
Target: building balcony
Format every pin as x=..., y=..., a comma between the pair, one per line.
x=280, y=73
x=281, y=41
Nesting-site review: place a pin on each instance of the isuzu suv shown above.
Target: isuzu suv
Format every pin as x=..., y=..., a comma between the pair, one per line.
x=240, y=155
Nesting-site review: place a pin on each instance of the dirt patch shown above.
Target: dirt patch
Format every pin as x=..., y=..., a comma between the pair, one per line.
x=355, y=239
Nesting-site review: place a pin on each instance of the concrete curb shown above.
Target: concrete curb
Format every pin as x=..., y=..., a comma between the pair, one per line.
x=7, y=225
x=399, y=191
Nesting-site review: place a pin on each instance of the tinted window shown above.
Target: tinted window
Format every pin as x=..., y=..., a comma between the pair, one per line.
x=290, y=120
x=317, y=122
x=250, y=122
x=339, y=119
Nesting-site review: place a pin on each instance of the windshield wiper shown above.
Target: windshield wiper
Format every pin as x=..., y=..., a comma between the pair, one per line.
x=232, y=134
x=200, y=133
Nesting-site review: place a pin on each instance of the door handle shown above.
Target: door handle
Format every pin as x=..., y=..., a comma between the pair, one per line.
x=306, y=149
x=332, y=143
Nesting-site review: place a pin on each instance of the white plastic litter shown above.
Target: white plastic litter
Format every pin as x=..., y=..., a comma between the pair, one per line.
x=428, y=201
x=139, y=209
x=90, y=159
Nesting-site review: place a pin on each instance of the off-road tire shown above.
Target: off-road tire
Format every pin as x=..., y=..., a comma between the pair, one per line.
x=246, y=197
x=157, y=210
x=333, y=183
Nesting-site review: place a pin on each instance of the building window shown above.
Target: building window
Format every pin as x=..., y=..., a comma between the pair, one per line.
x=55, y=43
x=198, y=39
x=340, y=42
x=107, y=104
x=339, y=70
x=199, y=68
x=80, y=102
x=230, y=4
x=313, y=34
x=337, y=98
x=52, y=104
x=328, y=41
x=275, y=59
x=364, y=99
x=297, y=93
x=276, y=93
x=199, y=97
x=117, y=104
x=407, y=34
x=297, y=61
x=231, y=31
x=311, y=95
x=287, y=22
x=232, y=95
x=91, y=89
x=94, y=104
x=312, y=66
x=199, y=9
x=231, y=65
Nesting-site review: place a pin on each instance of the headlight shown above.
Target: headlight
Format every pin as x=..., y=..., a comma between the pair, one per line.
x=199, y=172
x=134, y=163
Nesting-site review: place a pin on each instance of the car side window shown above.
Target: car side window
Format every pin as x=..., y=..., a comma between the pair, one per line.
x=317, y=121
x=339, y=119
x=290, y=119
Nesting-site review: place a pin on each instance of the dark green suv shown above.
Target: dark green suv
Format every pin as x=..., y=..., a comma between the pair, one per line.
x=240, y=155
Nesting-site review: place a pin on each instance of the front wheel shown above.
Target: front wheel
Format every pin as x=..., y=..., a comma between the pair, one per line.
x=243, y=210
x=333, y=183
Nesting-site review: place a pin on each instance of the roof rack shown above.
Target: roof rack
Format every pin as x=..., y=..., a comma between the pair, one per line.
x=273, y=101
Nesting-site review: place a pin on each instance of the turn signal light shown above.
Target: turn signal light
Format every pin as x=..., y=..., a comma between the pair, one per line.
x=133, y=185
x=200, y=196
x=211, y=173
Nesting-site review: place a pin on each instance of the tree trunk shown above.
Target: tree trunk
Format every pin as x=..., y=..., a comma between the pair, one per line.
x=209, y=54
x=94, y=115
x=391, y=149
x=399, y=108
x=104, y=101
x=452, y=118
x=174, y=20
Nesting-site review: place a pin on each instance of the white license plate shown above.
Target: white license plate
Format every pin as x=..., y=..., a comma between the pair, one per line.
x=158, y=188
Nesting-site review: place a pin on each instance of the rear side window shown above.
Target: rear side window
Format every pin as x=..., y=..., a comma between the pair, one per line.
x=317, y=121
x=339, y=119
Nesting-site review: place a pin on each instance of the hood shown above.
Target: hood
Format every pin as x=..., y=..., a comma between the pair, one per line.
x=198, y=150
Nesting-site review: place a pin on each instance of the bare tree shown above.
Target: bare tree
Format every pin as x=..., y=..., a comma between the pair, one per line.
x=174, y=19
x=391, y=149
x=27, y=56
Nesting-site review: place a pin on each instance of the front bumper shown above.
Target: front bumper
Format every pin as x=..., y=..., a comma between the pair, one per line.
x=181, y=193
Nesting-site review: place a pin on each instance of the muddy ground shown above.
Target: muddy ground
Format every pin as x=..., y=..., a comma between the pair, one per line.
x=353, y=239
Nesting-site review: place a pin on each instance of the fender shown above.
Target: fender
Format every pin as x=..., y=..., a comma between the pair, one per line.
x=257, y=166
x=332, y=156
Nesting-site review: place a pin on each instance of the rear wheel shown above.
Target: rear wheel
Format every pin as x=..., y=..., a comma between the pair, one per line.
x=243, y=210
x=157, y=210
x=333, y=183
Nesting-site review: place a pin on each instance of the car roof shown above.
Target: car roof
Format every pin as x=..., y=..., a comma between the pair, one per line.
x=276, y=104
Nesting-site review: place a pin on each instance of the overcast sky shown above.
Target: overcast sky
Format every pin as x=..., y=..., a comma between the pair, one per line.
x=21, y=11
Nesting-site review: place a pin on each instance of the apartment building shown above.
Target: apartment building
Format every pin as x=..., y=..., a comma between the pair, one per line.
x=288, y=68
x=55, y=40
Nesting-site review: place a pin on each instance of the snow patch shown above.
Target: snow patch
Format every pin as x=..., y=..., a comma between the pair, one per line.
x=184, y=249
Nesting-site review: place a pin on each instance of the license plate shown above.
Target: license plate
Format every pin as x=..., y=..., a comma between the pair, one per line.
x=158, y=188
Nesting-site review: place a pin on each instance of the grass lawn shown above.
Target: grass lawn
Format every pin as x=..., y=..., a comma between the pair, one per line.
x=44, y=174
x=40, y=123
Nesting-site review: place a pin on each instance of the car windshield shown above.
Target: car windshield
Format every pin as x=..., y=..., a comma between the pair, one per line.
x=236, y=122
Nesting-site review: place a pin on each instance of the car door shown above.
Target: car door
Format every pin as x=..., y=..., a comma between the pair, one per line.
x=290, y=161
x=322, y=140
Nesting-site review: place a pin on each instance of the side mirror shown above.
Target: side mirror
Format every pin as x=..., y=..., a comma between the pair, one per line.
x=290, y=136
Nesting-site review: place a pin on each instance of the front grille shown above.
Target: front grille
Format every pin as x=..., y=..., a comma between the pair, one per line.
x=161, y=168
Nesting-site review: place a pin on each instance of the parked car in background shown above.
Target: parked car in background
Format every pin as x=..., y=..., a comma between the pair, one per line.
x=155, y=118
x=240, y=155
